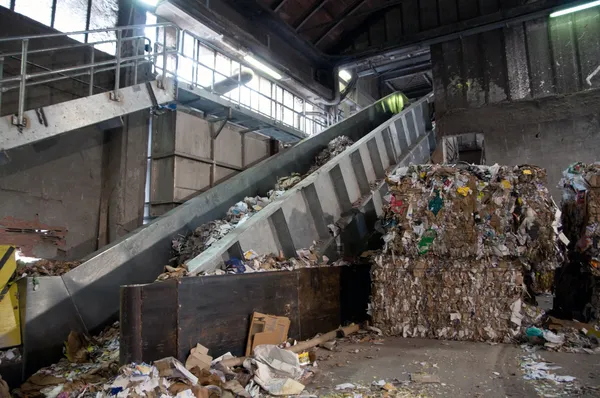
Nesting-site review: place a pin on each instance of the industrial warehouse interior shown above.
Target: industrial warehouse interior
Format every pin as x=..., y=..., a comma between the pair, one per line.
x=302, y=198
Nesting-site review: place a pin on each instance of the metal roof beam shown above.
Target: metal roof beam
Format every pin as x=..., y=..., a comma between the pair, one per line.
x=279, y=5
x=339, y=20
x=464, y=28
x=318, y=5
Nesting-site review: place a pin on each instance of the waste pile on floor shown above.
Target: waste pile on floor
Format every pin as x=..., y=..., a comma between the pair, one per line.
x=461, y=244
x=578, y=287
x=190, y=246
x=91, y=369
x=46, y=268
x=88, y=363
x=10, y=355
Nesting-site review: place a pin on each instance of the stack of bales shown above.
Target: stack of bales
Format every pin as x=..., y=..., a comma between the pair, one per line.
x=464, y=246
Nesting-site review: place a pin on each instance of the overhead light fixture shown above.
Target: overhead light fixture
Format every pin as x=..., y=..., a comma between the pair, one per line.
x=345, y=75
x=575, y=9
x=259, y=65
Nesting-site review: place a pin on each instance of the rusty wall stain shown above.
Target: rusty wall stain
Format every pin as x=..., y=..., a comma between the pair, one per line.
x=27, y=234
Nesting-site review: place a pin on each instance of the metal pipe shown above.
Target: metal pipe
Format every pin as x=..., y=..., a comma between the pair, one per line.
x=24, y=46
x=92, y=59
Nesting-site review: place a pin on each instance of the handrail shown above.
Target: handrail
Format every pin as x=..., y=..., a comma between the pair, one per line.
x=165, y=60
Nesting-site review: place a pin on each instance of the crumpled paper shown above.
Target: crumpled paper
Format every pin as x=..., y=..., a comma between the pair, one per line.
x=276, y=370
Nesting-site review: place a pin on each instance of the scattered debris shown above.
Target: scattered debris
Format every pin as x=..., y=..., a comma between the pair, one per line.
x=424, y=378
x=198, y=358
x=267, y=329
x=46, y=268
x=10, y=355
x=102, y=363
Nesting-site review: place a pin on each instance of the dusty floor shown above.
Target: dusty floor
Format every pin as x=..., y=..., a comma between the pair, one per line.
x=464, y=370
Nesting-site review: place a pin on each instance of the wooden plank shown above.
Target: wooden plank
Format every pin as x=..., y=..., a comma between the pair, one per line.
x=377, y=32
x=587, y=33
x=355, y=293
x=393, y=23
x=130, y=338
x=564, y=54
x=516, y=62
x=215, y=310
x=488, y=6
x=472, y=71
x=428, y=14
x=453, y=79
x=495, y=77
x=410, y=16
x=448, y=10
x=540, y=67
x=467, y=9
x=318, y=300
x=438, y=71
x=159, y=320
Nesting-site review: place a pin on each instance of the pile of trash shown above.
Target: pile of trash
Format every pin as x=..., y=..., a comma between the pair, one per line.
x=334, y=148
x=553, y=334
x=91, y=369
x=581, y=220
x=190, y=246
x=46, y=268
x=472, y=211
x=10, y=355
x=253, y=262
x=88, y=363
x=463, y=245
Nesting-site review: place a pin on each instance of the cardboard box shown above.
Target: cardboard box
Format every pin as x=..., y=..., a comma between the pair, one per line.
x=267, y=329
x=198, y=358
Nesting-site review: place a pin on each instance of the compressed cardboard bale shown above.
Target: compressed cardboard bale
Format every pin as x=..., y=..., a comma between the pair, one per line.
x=472, y=211
x=581, y=220
x=456, y=299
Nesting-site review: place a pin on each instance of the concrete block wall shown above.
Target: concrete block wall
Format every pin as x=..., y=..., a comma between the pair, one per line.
x=530, y=88
x=86, y=186
x=187, y=161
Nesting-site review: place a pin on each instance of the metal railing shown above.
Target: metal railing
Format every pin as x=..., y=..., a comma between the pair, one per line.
x=149, y=45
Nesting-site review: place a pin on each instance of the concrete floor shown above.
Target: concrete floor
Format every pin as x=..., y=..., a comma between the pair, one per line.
x=465, y=369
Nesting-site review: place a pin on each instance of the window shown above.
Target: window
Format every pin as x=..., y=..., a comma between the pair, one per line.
x=72, y=16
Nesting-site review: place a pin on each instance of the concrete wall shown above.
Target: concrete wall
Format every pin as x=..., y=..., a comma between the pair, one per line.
x=86, y=187
x=187, y=161
x=530, y=88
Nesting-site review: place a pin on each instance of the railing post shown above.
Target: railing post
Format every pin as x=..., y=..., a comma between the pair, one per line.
x=164, y=67
x=92, y=60
x=1, y=76
x=115, y=94
x=20, y=119
x=136, y=53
